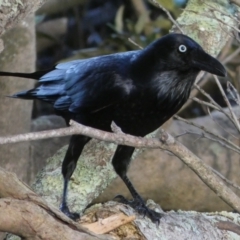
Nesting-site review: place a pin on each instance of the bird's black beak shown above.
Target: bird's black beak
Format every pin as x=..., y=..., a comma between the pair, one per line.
x=205, y=62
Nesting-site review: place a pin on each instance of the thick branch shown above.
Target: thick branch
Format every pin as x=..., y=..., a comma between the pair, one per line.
x=14, y=11
x=210, y=23
x=34, y=222
x=24, y=213
x=166, y=142
x=30, y=221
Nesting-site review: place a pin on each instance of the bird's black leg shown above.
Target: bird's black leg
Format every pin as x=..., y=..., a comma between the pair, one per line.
x=120, y=161
x=76, y=145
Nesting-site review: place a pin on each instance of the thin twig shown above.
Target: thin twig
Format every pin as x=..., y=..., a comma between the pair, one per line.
x=213, y=102
x=226, y=50
x=164, y=142
x=225, y=179
x=208, y=96
x=134, y=43
x=233, y=92
x=204, y=103
x=218, y=124
x=221, y=21
x=233, y=116
x=168, y=14
x=228, y=226
x=203, y=135
x=77, y=128
x=226, y=141
x=231, y=56
x=222, y=12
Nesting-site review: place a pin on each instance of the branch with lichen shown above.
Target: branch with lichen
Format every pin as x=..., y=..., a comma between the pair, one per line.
x=165, y=142
x=25, y=199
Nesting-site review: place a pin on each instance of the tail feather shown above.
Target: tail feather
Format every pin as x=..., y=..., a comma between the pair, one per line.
x=35, y=75
x=49, y=95
x=50, y=88
x=30, y=94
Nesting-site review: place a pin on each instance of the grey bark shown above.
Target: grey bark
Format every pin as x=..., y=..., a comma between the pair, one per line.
x=18, y=55
x=24, y=213
x=13, y=12
x=178, y=225
x=210, y=23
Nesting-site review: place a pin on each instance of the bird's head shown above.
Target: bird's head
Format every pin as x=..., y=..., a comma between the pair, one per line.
x=180, y=52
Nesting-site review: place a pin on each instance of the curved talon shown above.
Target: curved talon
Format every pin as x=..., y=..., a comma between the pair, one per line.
x=121, y=199
x=66, y=211
x=139, y=206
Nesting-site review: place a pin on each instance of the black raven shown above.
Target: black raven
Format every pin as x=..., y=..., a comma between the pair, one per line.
x=138, y=90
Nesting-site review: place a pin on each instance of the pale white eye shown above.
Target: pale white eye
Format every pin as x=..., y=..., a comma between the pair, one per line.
x=182, y=48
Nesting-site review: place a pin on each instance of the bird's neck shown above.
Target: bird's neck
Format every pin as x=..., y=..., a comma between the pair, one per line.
x=173, y=87
x=142, y=64
x=169, y=84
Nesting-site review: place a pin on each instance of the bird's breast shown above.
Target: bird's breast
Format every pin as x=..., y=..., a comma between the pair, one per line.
x=148, y=110
x=140, y=117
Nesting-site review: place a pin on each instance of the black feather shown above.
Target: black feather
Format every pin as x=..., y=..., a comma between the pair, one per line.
x=138, y=90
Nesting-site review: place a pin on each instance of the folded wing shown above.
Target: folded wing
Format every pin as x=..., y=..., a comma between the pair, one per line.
x=91, y=84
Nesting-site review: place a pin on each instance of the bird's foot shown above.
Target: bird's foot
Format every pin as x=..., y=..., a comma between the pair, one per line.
x=74, y=216
x=139, y=205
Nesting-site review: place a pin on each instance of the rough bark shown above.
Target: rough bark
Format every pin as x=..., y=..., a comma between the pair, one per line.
x=19, y=40
x=24, y=213
x=210, y=23
x=178, y=225
x=156, y=174
x=18, y=55
x=170, y=182
x=13, y=12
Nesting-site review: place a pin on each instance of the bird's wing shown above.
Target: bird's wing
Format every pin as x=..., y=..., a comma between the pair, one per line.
x=91, y=84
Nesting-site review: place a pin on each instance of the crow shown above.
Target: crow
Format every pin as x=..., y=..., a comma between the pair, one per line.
x=137, y=90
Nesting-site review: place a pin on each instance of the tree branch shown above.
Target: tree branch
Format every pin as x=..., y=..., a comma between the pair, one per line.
x=24, y=213
x=14, y=11
x=164, y=142
x=30, y=221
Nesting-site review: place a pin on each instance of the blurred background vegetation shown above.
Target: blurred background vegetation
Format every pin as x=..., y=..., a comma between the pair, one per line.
x=95, y=27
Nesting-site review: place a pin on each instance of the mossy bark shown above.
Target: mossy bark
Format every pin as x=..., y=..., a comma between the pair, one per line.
x=13, y=11
x=210, y=23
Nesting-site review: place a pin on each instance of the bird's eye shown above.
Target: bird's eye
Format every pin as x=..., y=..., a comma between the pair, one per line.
x=182, y=48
